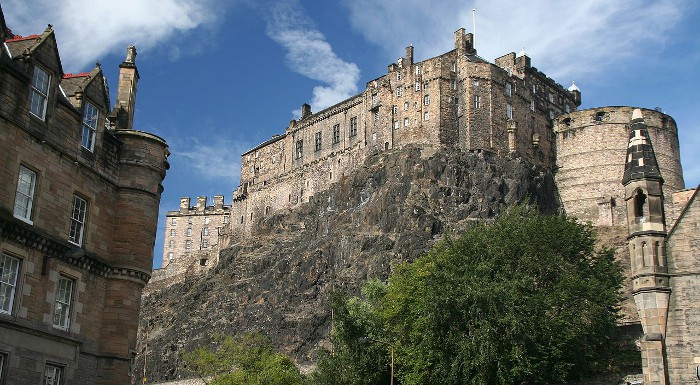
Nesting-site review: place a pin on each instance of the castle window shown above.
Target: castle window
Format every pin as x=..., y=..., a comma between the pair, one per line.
x=207, y=220
x=299, y=148
x=375, y=99
x=394, y=110
x=375, y=115
x=39, y=94
x=227, y=219
x=405, y=122
x=509, y=89
x=399, y=91
x=62, y=305
x=189, y=220
x=9, y=270
x=418, y=70
x=509, y=111
x=550, y=97
x=203, y=262
x=475, y=82
x=171, y=244
x=205, y=231
x=189, y=231
x=417, y=86
x=241, y=219
x=398, y=75
x=454, y=67
x=567, y=109
x=173, y=221
x=24, y=200
x=188, y=245
x=551, y=114
x=170, y=256
x=532, y=105
x=477, y=101
x=77, y=223
x=426, y=115
x=534, y=88
x=205, y=243
x=426, y=100
x=336, y=133
x=425, y=85
x=640, y=206
x=52, y=374
x=353, y=126
x=405, y=106
x=267, y=210
x=454, y=84
x=600, y=116
x=172, y=232
x=396, y=124
x=90, y=117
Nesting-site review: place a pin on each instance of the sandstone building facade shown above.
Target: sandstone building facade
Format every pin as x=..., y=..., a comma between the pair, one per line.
x=78, y=211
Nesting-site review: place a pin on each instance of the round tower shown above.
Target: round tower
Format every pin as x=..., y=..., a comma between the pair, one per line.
x=591, y=146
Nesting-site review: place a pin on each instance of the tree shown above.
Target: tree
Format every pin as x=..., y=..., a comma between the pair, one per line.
x=525, y=300
x=248, y=360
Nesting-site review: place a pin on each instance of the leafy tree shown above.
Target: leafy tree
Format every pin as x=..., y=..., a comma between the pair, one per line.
x=525, y=300
x=356, y=359
x=248, y=360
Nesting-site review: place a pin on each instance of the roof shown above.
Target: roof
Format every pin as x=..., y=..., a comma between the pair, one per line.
x=265, y=143
x=685, y=209
x=641, y=160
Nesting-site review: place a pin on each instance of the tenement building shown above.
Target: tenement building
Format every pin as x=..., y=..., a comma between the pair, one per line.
x=78, y=212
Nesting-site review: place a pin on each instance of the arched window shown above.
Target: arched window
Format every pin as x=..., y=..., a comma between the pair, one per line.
x=640, y=206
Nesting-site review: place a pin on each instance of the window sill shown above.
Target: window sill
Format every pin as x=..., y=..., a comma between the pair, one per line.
x=23, y=219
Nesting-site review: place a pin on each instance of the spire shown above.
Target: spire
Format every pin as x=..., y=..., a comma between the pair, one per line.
x=573, y=87
x=641, y=160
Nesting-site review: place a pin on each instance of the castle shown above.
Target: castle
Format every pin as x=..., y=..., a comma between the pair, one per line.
x=78, y=212
x=509, y=109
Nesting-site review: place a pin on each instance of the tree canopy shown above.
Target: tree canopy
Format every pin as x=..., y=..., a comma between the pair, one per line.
x=523, y=300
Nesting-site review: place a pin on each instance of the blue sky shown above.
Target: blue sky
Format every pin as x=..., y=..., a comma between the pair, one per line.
x=218, y=77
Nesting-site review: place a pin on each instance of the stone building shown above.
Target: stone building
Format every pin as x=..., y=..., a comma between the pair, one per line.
x=78, y=211
x=193, y=235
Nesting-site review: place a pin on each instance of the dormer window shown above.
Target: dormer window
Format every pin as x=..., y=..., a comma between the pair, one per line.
x=90, y=119
x=39, y=93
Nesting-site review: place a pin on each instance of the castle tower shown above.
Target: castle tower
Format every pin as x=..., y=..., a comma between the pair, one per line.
x=646, y=226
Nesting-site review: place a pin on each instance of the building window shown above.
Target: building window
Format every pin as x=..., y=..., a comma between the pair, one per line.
x=426, y=115
x=534, y=88
x=417, y=86
x=509, y=111
x=189, y=231
x=227, y=219
x=189, y=220
x=299, y=148
x=425, y=85
x=317, y=141
x=375, y=115
x=550, y=97
x=64, y=294
x=375, y=99
x=454, y=67
x=9, y=269
x=336, y=133
x=396, y=124
x=405, y=122
x=399, y=91
x=475, y=82
x=205, y=243
x=426, y=100
x=509, y=89
x=77, y=221
x=454, y=84
x=2, y=365
x=52, y=375
x=90, y=118
x=532, y=105
x=170, y=256
x=418, y=70
x=567, y=109
x=353, y=126
x=205, y=231
x=207, y=220
x=39, y=93
x=173, y=221
x=398, y=75
x=171, y=244
x=394, y=110
x=188, y=245
x=24, y=199
x=405, y=106
x=172, y=232
x=477, y=101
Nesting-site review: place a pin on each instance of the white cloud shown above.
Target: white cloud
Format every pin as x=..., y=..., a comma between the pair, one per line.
x=218, y=160
x=564, y=38
x=88, y=30
x=309, y=54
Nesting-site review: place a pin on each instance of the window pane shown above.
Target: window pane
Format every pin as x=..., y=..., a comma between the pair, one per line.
x=9, y=268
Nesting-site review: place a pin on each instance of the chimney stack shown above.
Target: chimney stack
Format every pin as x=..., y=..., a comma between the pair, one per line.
x=123, y=113
x=184, y=205
x=305, y=110
x=201, y=204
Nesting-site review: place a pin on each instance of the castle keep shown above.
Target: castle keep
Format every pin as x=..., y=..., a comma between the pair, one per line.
x=78, y=211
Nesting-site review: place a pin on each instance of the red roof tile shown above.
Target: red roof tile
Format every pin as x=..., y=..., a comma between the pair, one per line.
x=20, y=38
x=80, y=75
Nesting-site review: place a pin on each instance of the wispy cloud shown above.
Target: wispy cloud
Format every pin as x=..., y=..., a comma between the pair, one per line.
x=220, y=159
x=88, y=30
x=563, y=38
x=309, y=54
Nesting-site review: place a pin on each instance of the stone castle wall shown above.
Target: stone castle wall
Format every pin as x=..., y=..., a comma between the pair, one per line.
x=590, y=154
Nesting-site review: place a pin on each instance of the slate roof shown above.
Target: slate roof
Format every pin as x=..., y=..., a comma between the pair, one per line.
x=641, y=160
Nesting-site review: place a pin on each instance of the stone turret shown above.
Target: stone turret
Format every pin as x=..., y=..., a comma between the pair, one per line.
x=122, y=116
x=646, y=225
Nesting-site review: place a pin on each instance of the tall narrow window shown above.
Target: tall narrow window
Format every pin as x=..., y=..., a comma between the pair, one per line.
x=640, y=206
x=375, y=115
x=64, y=295
x=90, y=118
x=353, y=126
x=170, y=256
x=52, y=375
x=509, y=111
x=171, y=244
x=399, y=91
x=532, y=105
x=77, y=221
x=173, y=221
x=426, y=100
x=405, y=106
x=336, y=133
x=205, y=243
x=418, y=70
x=317, y=141
x=2, y=365
x=39, y=93
x=299, y=148
x=9, y=269
x=205, y=231
x=24, y=199
x=477, y=101
x=509, y=89
x=405, y=122
x=188, y=245
x=398, y=75
x=207, y=220
x=417, y=86
x=426, y=115
x=189, y=232
x=172, y=232
x=227, y=219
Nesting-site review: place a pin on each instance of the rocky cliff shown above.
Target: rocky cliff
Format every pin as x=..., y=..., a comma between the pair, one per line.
x=277, y=281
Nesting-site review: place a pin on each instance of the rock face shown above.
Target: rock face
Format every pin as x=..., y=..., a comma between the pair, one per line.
x=278, y=281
